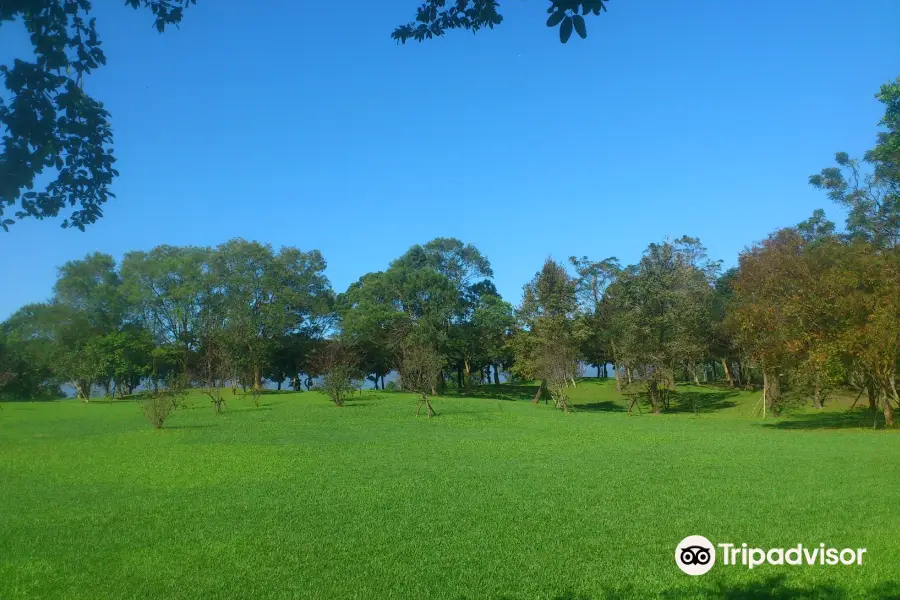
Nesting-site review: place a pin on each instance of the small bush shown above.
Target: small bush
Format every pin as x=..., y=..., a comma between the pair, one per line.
x=157, y=408
x=341, y=375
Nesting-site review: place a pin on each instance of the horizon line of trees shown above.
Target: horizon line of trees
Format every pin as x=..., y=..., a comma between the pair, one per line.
x=806, y=311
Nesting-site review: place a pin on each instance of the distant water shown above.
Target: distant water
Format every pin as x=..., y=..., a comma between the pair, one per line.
x=99, y=391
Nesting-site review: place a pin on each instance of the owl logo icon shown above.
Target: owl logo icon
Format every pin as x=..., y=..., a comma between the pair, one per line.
x=695, y=555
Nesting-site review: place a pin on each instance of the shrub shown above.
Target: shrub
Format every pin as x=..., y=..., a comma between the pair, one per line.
x=339, y=364
x=158, y=407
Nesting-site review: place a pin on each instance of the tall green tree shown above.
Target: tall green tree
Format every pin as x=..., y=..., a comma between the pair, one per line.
x=545, y=341
x=661, y=314
x=869, y=188
x=266, y=295
x=167, y=289
x=594, y=277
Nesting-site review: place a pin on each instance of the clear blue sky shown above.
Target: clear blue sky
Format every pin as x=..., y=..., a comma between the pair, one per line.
x=310, y=127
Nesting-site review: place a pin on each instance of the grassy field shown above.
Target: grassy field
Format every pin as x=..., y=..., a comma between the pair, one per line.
x=494, y=498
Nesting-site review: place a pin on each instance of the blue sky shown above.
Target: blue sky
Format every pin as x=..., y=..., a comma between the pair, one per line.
x=304, y=124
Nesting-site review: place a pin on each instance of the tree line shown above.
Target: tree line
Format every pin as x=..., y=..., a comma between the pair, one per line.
x=806, y=311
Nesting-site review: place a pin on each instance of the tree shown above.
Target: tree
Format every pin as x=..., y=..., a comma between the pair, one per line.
x=158, y=406
x=419, y=366
x=593, y=319
x=50, y=122
x=768, y=314
x=434, y=17
x=341, y=373
x=167, y=289
x=24, y=361
x=266, y=295
x=91, y=286
x=870, y=188
x=433, y=288
x=545, y=342
x=369, y=315
x=492, y=323
x=661, y=314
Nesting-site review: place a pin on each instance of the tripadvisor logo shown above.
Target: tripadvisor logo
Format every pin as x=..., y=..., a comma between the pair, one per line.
x=696, y=555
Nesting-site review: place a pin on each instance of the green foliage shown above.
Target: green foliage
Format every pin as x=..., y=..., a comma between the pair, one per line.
x=435, y=17
x=157, y=408
x=419, y=366
x=546, y=340
x=662, y=313
x=341, y=373
x=167, y=289
x=870, y=188
x=49, y=122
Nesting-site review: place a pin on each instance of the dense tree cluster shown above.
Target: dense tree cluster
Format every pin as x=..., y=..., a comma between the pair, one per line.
x=807, y=310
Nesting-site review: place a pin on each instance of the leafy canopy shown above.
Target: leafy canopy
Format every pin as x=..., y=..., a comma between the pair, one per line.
x=50, y=125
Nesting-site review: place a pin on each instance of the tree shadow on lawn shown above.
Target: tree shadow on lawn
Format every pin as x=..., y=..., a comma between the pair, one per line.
x=845, y=419
x=491, y=392
x=602, y=406
x=774, y=587
x=701, y=402
x=684, y=402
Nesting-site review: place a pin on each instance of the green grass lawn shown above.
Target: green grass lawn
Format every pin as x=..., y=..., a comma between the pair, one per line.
x=494, y=498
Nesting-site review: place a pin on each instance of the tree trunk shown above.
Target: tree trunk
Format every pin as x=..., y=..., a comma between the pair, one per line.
x=382, y=382
x=459, y=378
x=888, y=409
x=496, y=374
x=618, y=374
x=653, y=388
x=771, y=389
x=873, y=397
x=257, y=379
x=539, y=392
x=279, y=385
x=468, y=375
x=817, y=393
x=598, y=371
x=727, y=374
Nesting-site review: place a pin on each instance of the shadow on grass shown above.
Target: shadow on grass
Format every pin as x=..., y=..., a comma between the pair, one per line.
x=191, y=426
x=774, y=587
x=857, y=419
x=701, y=402
x=503, y=392
x=603, y=406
